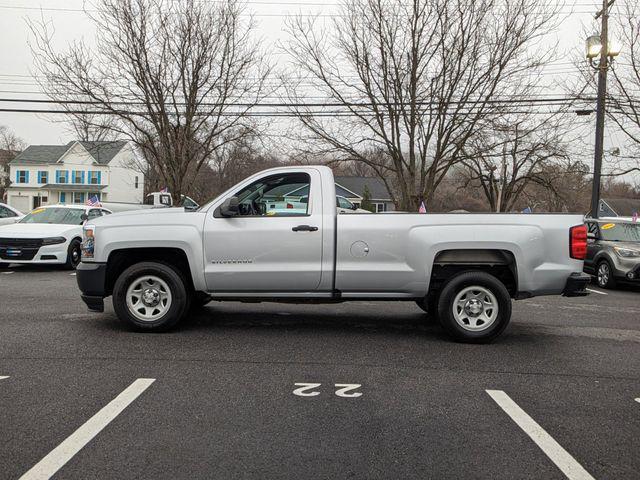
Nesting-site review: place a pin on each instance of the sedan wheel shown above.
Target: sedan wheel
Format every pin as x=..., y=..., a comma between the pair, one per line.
x=604, y=275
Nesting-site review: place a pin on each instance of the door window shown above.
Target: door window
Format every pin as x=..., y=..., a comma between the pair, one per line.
x=6, y=213
x=281, y=195
x=94, y=213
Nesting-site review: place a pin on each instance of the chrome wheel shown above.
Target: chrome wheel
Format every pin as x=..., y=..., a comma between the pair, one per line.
x=603, y=274
x=148, y=298
x=475, y=308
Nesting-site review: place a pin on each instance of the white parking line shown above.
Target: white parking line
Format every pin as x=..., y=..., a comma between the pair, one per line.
x=636, y=399
x=558, y=455
x=8, y=273
x=73, y=274
x=595, y=291
x=60, y=455
x=2, y=377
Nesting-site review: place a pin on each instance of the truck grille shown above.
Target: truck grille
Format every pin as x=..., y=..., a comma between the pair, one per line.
x=19, y=248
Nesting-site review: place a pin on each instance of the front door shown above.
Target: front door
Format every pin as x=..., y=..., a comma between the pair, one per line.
x=274, y=243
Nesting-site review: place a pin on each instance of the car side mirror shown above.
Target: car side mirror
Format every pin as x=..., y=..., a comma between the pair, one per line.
x=353, y=207
x=84, y=217
x=591, y=236
x=229, y=207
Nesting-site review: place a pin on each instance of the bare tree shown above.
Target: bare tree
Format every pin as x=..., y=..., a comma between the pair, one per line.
x=88, y=127
x=10, y=146
x=166, y=74
x=508, y=154
x=413, y=80
x=624, y=93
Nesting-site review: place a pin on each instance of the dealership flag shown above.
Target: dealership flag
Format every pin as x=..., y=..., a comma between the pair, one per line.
x=527, y=210
x=164, y=190
x=93, y=201
x=422, y=208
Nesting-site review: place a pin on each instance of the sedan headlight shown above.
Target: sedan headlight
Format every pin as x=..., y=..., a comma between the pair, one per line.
x=627, y=252
x=53, y=240
x=88, y=240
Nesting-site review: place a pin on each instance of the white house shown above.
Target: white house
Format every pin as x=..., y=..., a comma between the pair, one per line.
x=72, y=173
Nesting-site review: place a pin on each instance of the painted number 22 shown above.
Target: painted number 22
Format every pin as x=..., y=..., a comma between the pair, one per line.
x=344, y=390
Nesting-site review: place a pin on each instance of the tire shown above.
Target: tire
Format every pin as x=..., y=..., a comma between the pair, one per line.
x=165, y=304
x=604, y=275
x=471, y=293
x=73, y=255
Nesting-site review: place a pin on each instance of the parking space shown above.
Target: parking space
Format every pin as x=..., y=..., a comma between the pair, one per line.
x=357, y=390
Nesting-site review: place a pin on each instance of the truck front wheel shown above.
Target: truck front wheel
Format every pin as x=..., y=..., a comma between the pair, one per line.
x=150, y=296
x=474, y=307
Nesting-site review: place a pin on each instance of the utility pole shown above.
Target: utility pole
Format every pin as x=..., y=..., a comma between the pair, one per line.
x=603, y=66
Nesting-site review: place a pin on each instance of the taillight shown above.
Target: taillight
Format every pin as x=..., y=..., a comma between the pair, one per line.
x=578, y=242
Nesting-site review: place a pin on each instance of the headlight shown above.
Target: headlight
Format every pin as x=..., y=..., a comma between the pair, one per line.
x=53, y=240
x=88, y=241
x=626, y=252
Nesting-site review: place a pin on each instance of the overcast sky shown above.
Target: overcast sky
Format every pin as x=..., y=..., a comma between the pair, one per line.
x=16, y=63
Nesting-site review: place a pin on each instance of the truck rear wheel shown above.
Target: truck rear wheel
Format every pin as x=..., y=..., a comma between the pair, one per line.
x=150, y=296
x=474, y=307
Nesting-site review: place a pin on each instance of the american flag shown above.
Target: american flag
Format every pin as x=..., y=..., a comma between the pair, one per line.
x=93, y=201
x=164, y=190
x=422, y=208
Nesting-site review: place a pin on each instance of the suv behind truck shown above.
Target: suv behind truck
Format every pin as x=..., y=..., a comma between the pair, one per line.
x=245, y=246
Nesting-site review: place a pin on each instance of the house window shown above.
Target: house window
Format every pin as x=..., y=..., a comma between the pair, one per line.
x=93, y=194
x=78, y=176
x=94, y=178
x=380, y=207
x=62, y=176
x=43, y=177
x=136, y=182
x=22, y=176
x=78, y=197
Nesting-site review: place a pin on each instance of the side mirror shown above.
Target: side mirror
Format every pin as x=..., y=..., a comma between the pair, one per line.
x=591, y=236
x=84, y=217
x=353, y=207
x=229, y=207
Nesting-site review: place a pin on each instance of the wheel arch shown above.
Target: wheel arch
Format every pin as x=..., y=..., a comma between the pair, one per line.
x=121, y=259
x=500, y=263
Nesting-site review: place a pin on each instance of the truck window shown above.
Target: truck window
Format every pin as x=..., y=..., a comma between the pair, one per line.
x=148, y=200
x=94, y=213
x=280, y=195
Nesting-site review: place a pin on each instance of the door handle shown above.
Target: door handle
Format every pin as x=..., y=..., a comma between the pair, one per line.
x=305, y=228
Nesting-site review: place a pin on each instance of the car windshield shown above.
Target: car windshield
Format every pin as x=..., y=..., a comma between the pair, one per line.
x=620, y=232
x=64, y=216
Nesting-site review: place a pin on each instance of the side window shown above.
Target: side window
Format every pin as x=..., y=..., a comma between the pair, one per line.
x=6, y=213
x=94, y=213
x=165, y=200
x=281, y=195
x=592, y=227
x=148, y=200
x=344, y=203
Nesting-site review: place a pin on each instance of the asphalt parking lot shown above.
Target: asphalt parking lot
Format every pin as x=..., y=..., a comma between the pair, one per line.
x=355, y=390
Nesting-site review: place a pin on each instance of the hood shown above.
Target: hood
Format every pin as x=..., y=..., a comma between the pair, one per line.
x=38, y=230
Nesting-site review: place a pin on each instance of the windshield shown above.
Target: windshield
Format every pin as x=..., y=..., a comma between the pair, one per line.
x=620, y=232
x=64, y=216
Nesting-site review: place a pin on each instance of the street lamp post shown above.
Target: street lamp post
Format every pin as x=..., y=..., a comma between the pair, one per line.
x=599, y=45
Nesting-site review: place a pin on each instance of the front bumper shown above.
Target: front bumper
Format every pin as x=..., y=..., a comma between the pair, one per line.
x=576, y=285
x=91, y=278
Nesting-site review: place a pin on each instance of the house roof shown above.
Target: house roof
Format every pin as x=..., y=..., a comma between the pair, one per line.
x=102, y=152
x=356, y=185
x=623, y=207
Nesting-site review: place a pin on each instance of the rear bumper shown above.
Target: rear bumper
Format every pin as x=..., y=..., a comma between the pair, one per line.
x=576, y=285
x=91, y=278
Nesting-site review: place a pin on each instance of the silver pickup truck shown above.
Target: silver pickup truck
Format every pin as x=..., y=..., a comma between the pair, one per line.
x=277, y=237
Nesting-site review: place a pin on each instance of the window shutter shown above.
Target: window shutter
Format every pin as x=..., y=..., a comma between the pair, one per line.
x=99, y=179
x=26, y=176
x=17, y=176
x=83, y=172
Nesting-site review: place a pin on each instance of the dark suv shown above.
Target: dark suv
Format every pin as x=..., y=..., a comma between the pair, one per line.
x=613, y=251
